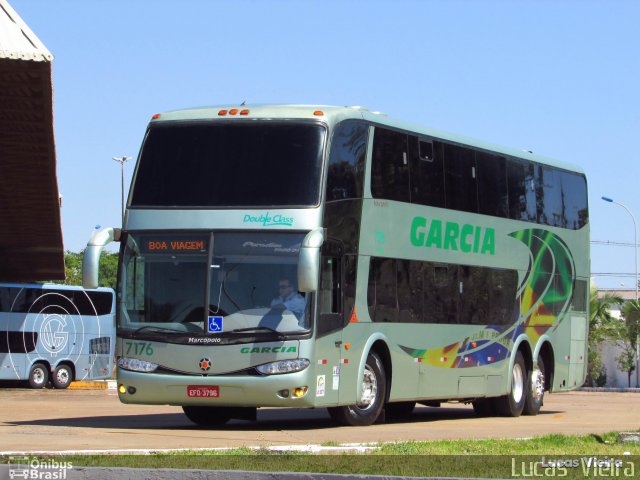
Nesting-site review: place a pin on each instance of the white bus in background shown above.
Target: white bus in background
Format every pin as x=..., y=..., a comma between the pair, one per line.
x=56, y=333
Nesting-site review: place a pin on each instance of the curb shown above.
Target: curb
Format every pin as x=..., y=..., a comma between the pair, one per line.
x=608, y=389
x=93, y=385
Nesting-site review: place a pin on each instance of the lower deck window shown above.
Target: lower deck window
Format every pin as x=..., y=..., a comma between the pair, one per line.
x=409, y=291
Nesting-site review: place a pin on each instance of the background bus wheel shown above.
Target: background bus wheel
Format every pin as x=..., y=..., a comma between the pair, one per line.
x=62, y=376
x=374, y=389
x=484, y=407
x=399, y=409
x=535, y=391
x=512, y=404
x=206, y=416
x=39, y=376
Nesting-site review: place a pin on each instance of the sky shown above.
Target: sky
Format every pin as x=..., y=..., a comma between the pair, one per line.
x=560, y=78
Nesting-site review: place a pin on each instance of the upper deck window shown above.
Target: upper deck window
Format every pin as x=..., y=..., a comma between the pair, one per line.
x=442, y=174
x=256, y=164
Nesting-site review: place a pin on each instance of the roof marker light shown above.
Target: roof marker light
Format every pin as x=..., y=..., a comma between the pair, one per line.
x=244, y=112
x=156, y=116
x=318, y=113
x=233, y=111
x=222, y=113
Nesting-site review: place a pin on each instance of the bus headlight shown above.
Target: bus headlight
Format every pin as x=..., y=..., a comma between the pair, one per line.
x=283, y=366
x=136, y=365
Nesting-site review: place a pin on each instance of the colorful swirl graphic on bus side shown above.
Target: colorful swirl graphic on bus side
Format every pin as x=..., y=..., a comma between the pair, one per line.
x=543, y=296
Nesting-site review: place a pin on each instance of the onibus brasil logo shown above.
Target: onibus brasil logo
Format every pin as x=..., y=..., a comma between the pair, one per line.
x=36, y=468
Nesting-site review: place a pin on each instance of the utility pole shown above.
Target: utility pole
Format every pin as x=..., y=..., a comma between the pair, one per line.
x=635, y=253
x=121, y=161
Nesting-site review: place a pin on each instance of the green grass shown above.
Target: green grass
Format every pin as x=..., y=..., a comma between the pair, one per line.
x=469, y=458
x=606, y=444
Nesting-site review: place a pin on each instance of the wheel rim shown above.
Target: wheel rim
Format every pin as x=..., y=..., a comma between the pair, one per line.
x=38, y=376
x=537, y=385
x=517, y=390
x=62, y=376
x=369, y=389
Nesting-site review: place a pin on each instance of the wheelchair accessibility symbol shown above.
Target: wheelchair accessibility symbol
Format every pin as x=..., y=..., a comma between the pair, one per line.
x=214, y=325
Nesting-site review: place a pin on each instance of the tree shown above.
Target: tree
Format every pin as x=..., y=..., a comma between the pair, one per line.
x=629, y=337
x=108, y=269
x=627, y=362
x=73, y=268
x=602, y=326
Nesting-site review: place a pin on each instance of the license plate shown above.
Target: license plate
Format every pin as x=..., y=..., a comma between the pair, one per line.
x=200, y=391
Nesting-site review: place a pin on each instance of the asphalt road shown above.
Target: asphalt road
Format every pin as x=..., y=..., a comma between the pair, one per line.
x=76, y=420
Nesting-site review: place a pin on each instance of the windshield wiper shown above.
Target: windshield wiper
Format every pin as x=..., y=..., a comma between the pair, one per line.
x=157, y=329
x=281, y=336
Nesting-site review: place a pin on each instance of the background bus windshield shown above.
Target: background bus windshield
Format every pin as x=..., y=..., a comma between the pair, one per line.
x=229, y=165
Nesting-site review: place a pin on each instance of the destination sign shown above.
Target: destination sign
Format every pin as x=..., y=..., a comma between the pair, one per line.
x=170, y=244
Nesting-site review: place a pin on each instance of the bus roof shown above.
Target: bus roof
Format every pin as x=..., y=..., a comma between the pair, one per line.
x=53, y=286
x=331, y=115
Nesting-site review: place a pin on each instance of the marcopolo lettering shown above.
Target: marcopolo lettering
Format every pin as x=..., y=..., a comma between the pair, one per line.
x=280, y=349
x=453, y=236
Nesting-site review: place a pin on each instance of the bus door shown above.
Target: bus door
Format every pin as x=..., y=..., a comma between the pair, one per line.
x=329, y=325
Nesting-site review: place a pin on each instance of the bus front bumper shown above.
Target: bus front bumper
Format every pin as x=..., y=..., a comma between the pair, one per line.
x=223, y=391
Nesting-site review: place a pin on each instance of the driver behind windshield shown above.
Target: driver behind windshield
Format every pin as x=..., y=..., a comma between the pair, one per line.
x=288, y=299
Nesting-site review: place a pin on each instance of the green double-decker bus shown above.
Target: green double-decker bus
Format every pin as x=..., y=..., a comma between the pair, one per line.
x=317, y=256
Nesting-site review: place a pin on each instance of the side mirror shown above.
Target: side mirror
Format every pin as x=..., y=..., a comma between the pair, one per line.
x=309, y=261
x=91, y=260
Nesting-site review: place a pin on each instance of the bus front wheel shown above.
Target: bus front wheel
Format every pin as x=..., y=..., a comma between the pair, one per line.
x=62, y=376
x=206, y=416
x=374, y=389
x=399, y=410
x=512, y=404
x=38, y=376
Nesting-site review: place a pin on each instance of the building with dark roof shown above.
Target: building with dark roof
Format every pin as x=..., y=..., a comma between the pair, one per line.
x=31, y=247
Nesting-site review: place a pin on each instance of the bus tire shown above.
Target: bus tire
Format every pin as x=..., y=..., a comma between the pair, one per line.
x=399, y=409
x=374, y=389
x=484, y=407
x=512, y=404
x=38, y=375
x=206, y=416
x=535, y=390
x=62, y=376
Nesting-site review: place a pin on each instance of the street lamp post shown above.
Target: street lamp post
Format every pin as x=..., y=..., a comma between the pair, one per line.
x=121, y=161
x=635, y=251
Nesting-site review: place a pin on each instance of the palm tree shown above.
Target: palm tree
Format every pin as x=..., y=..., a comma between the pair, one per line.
x=602, y=326
x=629, y=337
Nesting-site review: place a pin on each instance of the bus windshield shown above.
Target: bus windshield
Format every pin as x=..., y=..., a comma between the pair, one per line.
x=245, y=164
x=212, y=284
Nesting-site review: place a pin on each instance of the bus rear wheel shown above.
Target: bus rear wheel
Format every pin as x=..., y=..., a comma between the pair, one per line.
x=484, y=407
x=512, y=404
x=38, y=376
x=206, y=416
x=368, y=408
x=62, y=376
x=535, y=392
